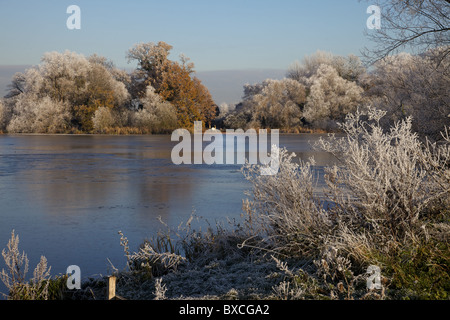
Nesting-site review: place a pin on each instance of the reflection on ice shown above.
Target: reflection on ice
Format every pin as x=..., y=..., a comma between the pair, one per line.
x=67, y=196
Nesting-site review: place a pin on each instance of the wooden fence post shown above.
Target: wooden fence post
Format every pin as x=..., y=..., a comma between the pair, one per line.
x=111, y=287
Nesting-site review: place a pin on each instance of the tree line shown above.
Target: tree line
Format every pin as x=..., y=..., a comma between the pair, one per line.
x=70, y=93
x=321, y=90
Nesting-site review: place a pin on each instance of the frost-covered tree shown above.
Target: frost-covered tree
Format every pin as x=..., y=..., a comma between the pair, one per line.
x=152, y=62
x=104, y=87
x=413, y=85
x=417, y=25
x=240, y=118
x=279, y=104
x=32, y=114
x=5, y=115
x=331, y=98
x=224, y=109
x=103, y=119
x=17, y=85
x=120, y=75
x=63, y=77
x=156, y=115
x=70, y=78
x=164, y=111
x=349, y=68
x=173, y=81
x=302, y=71
x=270, y=104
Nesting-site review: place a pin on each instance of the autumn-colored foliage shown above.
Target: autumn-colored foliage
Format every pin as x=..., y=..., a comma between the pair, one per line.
x=191, y=99
x=69, y=92
x=174, y=82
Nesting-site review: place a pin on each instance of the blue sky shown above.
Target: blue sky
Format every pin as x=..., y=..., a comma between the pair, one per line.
x=216, y=35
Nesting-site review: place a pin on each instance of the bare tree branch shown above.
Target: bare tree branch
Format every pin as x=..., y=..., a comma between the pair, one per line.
x=418, y=25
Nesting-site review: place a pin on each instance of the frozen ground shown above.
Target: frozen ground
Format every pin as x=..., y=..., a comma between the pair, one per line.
x=235, y=277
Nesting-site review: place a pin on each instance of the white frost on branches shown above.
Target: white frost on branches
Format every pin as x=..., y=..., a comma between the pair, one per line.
x=331, y=97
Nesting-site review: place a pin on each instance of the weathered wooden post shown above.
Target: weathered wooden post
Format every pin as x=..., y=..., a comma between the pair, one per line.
x=111, y=287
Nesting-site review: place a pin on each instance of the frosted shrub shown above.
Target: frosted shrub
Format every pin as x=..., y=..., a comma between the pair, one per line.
x=103, y=119
x=144, y=120
x=149, y=260
x=286, y=290
x=156, y=115
x=17, y=268
x=160, y=290
x=389, y=200
x=291, y=217
x=155, y=262
x=413, y=85
x=389, y=191
x=392, y=198
x=387, y=180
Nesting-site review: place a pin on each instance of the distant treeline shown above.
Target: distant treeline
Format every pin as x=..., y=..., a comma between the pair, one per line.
x=70, y=93
x=321, y=90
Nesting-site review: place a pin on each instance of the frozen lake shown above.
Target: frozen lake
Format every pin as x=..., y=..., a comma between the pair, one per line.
x=67, y=196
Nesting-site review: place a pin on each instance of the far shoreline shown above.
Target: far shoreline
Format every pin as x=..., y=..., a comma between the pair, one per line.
x=284, y=132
